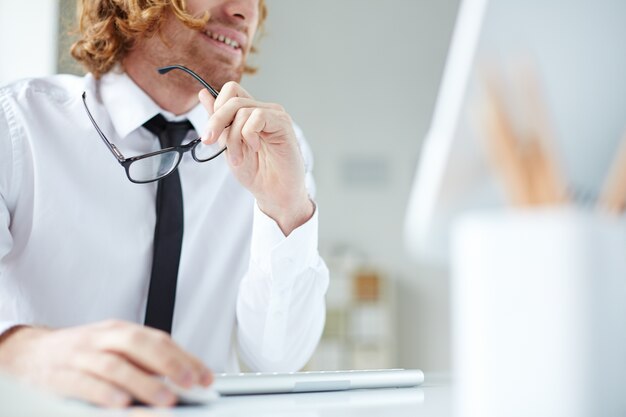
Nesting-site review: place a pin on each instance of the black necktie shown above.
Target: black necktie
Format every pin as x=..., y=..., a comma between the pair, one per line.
x=168, y=231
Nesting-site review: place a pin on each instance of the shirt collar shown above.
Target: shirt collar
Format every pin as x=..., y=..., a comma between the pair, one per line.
x=130, y=107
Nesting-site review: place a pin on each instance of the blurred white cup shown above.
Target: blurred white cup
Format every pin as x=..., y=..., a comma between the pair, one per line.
x=539, y=314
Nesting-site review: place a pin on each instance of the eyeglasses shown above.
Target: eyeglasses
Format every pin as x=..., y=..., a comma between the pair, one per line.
x=153, y=166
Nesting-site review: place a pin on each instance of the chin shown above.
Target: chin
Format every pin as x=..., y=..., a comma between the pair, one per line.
x=218, y=79
x=218, y=72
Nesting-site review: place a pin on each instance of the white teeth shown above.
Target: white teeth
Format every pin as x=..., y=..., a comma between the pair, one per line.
x=221, y=38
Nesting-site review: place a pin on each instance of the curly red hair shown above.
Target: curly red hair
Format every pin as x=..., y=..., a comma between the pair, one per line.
x=108, y=29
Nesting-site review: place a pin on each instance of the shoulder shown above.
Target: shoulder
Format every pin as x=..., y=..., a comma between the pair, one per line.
x=53, y=89
x=35, y=101
x=28, y=106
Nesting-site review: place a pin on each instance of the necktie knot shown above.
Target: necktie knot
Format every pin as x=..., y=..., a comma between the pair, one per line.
x=170, y=134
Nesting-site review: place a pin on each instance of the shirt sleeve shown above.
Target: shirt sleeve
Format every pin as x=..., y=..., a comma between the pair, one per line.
x=281, y=306
x=9, y=316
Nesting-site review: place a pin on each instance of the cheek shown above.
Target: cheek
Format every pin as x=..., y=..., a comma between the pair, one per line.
x=173, y=30
x=198, y=7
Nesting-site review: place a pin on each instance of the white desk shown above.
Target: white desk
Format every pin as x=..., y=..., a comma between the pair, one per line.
x=432, y=399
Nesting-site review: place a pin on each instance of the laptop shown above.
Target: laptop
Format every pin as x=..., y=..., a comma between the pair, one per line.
x=297, y=382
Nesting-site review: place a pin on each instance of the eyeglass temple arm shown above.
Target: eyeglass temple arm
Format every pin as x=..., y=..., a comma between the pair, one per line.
x=165, y=70
x=213, y=91
x=109, y=145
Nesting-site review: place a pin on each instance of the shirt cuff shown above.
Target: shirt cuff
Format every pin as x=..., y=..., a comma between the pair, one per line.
x=273, y=252
x=283, y=260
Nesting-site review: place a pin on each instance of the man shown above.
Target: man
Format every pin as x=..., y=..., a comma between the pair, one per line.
x=77, y=267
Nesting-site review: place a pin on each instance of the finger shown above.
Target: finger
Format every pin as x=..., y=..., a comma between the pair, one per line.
x=208, y=102
x=236, y=132
x=153, y=350
x=230, y=90
x=225, y=115
x=234, y=144
x=255, y=124
x=86, y=387
x=117, y=370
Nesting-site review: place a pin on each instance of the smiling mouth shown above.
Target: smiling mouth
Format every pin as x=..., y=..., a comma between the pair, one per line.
x=223, y=39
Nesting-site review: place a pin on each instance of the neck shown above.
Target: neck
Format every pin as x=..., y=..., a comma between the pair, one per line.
x=171, y=92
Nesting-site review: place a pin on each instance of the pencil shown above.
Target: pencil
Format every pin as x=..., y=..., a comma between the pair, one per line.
x=503, y=146
x=550, y=184
x=524, y=161
x=613, y=196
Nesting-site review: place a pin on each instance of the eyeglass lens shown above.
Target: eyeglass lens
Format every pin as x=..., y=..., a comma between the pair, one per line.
x=153, y=167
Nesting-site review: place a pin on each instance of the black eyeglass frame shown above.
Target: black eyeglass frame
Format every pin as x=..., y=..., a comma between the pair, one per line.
x=181, y=149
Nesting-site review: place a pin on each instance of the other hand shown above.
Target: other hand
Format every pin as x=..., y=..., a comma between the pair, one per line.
x=108, y=363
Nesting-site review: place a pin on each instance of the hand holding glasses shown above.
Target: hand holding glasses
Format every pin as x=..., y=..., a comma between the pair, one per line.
x=153, y=166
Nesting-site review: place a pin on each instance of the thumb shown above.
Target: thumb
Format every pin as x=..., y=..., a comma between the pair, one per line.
x=207, y=100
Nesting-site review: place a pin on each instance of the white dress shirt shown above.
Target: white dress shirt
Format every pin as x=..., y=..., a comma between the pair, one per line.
x=76, y=235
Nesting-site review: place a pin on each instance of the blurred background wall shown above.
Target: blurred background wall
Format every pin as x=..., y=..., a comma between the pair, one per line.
x=360, y=77
x=28, y=38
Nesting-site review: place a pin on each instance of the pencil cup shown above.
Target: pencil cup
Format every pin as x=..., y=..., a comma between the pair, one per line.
x=539, y=314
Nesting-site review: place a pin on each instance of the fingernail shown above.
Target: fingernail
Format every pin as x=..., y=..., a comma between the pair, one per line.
x=208, y=136
x=118, y=398
x=206, y=378
x=164, y=397
x=186, y=378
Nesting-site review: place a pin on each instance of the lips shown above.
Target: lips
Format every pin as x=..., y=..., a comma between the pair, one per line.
x=234, y=39
x=224, y=39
